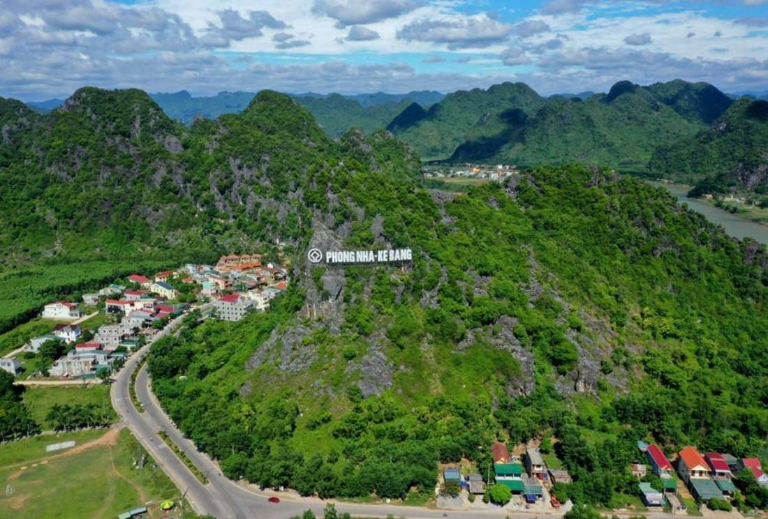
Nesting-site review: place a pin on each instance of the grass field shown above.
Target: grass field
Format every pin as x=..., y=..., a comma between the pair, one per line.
x=96, y=321
x=96, y=480
x=20, y=335
x=41, y=399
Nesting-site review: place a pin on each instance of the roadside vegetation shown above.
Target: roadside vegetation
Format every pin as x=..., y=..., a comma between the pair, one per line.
x=183, y=457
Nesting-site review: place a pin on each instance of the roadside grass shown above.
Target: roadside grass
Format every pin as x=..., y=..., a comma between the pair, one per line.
x=98, y=482
x=132, y=385
x=19, y=336
x=552, y=461
x=41, y=399
x=692, y=506
x=31, y=449
x=183, y=457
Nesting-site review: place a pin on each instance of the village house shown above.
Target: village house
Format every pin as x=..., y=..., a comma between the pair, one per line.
x=134, y=295
x=115, y=306
x=165, y=290
x=691, y=465
x=61, y=310
x=510, y=475
x=452, y=476
x=560, y=476
x=233, y=261
x=112, y=290
x=110, y=335
x=164, y=276
x=651, y=496
x=11, y=365
x=67, y=332
x=754, y=466
x=660, y=465
x=232, y=307
x=137, y=319
x=500, y=453
x=532, y=489
x=719, y=466
x=476, y=484
x=33, y=346
x=534, y=463
x=91, y=299
x=638, y=470
x=140, y=280
x=87, y=346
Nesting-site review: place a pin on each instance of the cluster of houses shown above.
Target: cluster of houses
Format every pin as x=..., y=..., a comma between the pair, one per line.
x=707, y=477
x=239, y=284
x=479, y=171
x=524, y=476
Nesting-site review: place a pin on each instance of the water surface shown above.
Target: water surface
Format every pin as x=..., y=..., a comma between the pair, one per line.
x=734, y=225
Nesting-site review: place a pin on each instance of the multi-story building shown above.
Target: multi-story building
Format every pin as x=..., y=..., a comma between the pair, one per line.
x=11, y=365
x=61, y=310
x=232, y=307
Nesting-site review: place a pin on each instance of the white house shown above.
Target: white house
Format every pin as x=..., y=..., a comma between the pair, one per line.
x=91, y=299
x=233, y=307
x=10, y=365
x=61, y=310
x=110, y=335
x=34, y=344
x=67, y=332
x=73, y=365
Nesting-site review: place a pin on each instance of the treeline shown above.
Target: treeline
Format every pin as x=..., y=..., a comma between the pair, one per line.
x=70, y=417
x=15, y=419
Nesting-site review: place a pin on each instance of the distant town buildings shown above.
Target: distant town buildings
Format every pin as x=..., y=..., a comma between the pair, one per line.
x=232, y=307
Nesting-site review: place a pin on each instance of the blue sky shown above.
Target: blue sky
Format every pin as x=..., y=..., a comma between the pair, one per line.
x=50, y=48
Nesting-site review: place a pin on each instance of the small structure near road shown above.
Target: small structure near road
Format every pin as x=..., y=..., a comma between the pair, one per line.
x=59, y=446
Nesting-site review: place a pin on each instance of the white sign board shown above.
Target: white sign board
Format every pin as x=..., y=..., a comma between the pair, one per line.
x=59, y=446
x=359, y=257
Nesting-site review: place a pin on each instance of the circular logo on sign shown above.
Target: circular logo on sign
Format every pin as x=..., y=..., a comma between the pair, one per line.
x=315, y=255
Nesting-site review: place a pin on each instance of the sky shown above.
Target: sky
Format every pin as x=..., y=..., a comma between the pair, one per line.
x=50, y=48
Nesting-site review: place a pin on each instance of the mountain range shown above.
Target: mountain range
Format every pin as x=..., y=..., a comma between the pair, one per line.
x=568, y=302
x=658, y=129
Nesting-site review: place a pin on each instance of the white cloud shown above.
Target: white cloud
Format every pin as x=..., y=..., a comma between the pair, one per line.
x=354, y=12
x=638, y=39
x=466, y=32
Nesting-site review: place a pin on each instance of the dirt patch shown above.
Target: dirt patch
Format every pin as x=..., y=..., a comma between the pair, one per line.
x=17, y=503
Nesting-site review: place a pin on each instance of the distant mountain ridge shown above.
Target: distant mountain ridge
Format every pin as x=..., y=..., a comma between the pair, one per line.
x=512, y=123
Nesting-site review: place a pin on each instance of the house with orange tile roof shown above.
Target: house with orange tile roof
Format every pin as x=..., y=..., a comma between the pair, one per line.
x=692, y=465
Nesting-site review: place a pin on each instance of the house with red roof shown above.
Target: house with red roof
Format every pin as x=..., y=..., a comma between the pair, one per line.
x=164, y=275
x=139, y=280
x=692, y=465
x=719, y=466
x=134, y=295
x=500, y=453
x=233, y=307
x=116, y=306
x=754, y=466
x=658, y=461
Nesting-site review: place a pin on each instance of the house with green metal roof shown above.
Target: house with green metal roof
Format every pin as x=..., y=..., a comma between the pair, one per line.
x=651, y=496
x=705, y=489
x=510, y=475
x=726, y=486
x=532, y=489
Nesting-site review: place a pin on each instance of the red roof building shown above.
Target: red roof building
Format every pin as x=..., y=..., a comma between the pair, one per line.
x=231, y=298
x=137, y=278
x=718, y=464
x=754, y=465
x=500, y=453
x=659, y=462
x=692, y=465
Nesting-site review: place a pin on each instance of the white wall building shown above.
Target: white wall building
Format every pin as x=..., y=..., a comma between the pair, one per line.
x=34, y=344
x=10, y=365
x=232, y=307
x=68, y=332
x=61, y=310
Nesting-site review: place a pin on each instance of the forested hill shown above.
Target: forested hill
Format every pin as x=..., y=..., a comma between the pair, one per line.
x=733, y=153
x=512, y=124
x=109, y=174
x=567, y=303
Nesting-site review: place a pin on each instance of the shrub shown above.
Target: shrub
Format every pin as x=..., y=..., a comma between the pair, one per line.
x=499, y=495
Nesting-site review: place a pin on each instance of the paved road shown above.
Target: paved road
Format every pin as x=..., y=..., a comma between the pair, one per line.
x=225, y=499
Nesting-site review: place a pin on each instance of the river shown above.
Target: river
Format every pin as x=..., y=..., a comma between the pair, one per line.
x=734, y=225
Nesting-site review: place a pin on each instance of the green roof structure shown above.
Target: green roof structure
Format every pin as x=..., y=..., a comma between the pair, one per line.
x=726, y=485
x=705, y=489
x=669, y=484
x=532, y=488
x=508, y=469
x=515, y=485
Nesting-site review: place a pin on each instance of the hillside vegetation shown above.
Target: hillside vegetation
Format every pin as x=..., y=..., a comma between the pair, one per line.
x=733, y=153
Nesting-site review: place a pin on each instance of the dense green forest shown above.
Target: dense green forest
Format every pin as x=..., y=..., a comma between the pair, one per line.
x=732, y=154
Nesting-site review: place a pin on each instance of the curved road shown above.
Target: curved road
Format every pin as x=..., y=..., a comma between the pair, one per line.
x=221, y=497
